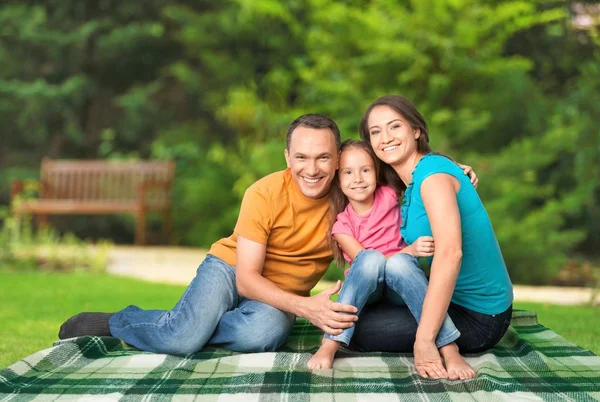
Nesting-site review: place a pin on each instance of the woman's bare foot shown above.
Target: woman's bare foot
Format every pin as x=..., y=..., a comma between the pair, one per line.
x=456, y=365
x=323, y=359
x=428, y=361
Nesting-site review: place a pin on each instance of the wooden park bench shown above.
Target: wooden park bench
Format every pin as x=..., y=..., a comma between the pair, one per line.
x=101, y=187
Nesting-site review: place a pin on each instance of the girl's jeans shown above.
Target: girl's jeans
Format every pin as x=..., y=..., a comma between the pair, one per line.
x=397, y=280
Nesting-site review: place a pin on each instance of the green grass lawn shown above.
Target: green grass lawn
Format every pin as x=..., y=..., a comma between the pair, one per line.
x=578, y=324
x=35, y=304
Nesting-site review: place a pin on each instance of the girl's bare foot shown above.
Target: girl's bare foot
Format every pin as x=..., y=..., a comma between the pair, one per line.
x=323, y=359
x=428, y=361
x=456, y=365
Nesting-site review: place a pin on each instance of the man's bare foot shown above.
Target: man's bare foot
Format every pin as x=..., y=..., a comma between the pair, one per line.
x=456, y=365
x=323, y=359
x=428, y=361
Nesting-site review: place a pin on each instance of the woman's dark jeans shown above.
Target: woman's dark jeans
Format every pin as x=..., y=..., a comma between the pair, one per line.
x=384, y=327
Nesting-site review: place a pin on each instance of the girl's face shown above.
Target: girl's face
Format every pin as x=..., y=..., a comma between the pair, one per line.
x=392, y=137
x=358, y=180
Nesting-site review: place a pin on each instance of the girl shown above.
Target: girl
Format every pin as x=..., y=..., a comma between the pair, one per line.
x=366, y=233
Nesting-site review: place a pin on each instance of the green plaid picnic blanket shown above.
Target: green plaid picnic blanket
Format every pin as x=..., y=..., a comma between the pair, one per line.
x=530, y=363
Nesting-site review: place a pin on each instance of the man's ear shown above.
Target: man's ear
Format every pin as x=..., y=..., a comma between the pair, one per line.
x=287, y=157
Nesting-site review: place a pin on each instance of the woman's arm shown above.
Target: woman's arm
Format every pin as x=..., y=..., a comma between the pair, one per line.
x=438, y=192
x=348, y=244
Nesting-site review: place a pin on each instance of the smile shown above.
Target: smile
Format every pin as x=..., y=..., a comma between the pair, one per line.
x=389, y=149
x=311, y=181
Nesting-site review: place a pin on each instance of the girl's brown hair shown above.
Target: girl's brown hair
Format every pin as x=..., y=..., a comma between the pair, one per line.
x=338, y=200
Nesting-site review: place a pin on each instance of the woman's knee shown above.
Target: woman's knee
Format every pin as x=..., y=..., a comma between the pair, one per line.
x=369, y=263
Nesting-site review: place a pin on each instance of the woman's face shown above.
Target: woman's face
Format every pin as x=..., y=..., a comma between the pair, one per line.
x=392, y=137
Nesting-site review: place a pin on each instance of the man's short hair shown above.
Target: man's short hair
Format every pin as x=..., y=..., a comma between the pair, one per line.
x=314, y=120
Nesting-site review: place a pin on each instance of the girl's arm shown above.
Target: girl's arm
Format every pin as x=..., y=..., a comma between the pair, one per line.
x=438, y=192
x=348, y=244
x=424, y=246
x=409, y=250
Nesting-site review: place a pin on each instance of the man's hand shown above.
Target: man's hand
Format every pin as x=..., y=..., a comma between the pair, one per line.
x=328, y=315
x=468, y=170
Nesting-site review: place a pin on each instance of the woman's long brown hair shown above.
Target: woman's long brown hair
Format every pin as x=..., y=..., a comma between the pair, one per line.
x=411, y=114
x=338, y=200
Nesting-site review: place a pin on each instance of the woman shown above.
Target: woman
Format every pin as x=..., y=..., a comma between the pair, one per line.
x=468, y=278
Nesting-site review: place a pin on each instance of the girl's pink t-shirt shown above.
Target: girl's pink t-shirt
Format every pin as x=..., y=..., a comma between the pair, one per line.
x=379, y=229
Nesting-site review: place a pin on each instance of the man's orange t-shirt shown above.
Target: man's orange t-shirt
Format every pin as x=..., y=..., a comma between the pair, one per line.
x=294, y=228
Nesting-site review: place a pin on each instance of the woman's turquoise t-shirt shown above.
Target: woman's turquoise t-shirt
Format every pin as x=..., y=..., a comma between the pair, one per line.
x=483, y=284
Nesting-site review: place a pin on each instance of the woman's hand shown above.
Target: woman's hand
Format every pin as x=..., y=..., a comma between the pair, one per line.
x=468, y=170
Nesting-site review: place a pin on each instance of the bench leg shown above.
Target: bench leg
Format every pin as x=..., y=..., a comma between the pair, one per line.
x=140, y=228
x=42, y=221
x=167, y=222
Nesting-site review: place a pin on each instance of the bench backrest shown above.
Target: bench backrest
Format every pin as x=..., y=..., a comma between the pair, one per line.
x=101, y=180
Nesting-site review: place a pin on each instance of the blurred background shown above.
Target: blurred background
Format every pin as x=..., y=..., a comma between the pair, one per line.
x=509, y=87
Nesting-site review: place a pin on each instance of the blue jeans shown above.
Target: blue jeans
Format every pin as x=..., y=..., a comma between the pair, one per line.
x=384, y=327
x=397, y=280
x=210, y=312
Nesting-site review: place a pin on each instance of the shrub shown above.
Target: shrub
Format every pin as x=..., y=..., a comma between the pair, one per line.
x=24, y=247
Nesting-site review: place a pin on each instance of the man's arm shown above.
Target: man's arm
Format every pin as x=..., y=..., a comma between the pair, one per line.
x=468, y=170
x=318, y=309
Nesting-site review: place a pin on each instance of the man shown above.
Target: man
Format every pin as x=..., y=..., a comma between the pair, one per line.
x=252, y=285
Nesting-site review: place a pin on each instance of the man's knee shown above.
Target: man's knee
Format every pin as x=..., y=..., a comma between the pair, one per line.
x=179, y=343
x=267, y=331
x=269, y=340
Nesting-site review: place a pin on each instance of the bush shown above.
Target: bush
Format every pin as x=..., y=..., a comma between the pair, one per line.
x=24, y=247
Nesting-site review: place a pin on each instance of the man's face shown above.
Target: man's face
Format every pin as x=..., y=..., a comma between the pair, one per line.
x=312, y=159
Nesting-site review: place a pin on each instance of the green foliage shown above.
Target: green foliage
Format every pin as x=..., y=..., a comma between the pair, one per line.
x=22, y=246
x=334, y=273
x=509, y=87
x=214, y=178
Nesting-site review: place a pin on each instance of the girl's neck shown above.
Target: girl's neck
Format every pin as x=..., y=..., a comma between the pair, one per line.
x=405, y=169
x=363, y=207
